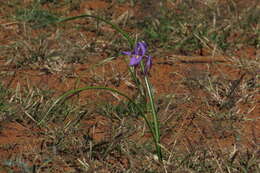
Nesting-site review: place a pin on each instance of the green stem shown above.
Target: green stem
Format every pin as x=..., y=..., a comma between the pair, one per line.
x=155, y=119
x=118, y=29
x=156, y=128
x=78, y=90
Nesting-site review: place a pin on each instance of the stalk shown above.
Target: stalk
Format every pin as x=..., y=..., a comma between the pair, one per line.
x=156, y=127
x=118, y=29
x=78, y=90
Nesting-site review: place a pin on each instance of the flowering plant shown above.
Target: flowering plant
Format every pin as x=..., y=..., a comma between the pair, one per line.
x=138, y=58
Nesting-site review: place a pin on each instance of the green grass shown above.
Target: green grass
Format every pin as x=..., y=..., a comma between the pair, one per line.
x=192, y=26
x=70, y=134
x=35, y=16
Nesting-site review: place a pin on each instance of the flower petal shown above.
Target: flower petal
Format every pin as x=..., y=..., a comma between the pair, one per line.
x=141, y=48
x=136, y=49
x=144, y=44
x=148, y=64
x=135, y=60
x=127, y=53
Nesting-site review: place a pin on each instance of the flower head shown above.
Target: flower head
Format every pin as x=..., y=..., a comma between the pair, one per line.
x=138, y=54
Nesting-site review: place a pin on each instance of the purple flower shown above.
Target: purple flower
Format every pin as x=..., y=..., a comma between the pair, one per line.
x=138, y=54
x=148, y=64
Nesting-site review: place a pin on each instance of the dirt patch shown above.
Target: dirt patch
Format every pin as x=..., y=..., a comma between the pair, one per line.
x=17, y=139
